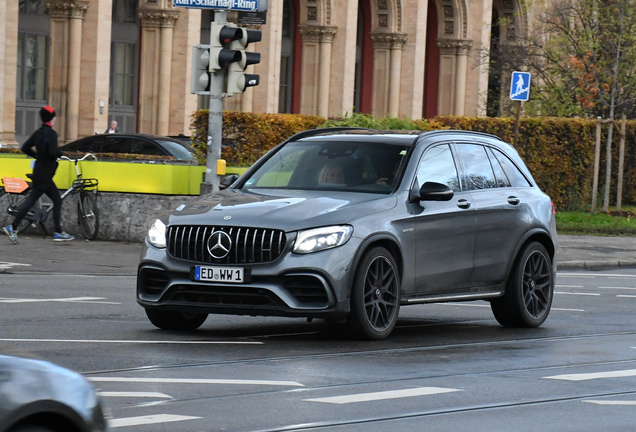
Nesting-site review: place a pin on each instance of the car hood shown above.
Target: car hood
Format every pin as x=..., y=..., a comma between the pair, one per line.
x=286, y=210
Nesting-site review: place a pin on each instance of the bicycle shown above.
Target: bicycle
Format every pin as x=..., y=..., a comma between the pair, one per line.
x=17, y=190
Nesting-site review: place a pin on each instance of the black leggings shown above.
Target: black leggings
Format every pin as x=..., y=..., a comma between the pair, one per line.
x=53, y=193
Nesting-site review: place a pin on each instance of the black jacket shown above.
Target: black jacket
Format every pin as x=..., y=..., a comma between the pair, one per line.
x=42, y=145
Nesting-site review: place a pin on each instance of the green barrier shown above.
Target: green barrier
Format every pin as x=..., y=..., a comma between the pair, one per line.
x=127, y=177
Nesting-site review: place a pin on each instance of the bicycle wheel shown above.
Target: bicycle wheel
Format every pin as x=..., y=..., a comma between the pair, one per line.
x=88, y=215
x=15, y=201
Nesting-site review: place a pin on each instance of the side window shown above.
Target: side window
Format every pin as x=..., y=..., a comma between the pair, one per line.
x=516, y=177
x=437, y=165
x=138, y=146
x=478, y=172
x=116, y=145
x=502, y=179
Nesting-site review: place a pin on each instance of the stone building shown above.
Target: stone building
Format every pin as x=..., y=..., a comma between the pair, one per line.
x=130, y=60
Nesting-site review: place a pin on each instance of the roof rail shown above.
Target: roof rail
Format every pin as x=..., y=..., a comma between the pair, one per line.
x=318, y=131
x=460, y=131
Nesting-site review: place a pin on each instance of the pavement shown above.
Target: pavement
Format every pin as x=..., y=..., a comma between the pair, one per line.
x=38, y=254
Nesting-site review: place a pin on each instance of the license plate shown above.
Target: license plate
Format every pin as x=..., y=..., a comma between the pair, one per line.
x=219, y=274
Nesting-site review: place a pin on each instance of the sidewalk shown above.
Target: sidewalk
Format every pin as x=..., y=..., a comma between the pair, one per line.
x=36, y=254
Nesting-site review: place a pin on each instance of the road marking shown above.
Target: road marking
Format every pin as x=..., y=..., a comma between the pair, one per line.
x=7, y=265
x=576, y=293
x=594, y=375
x=392, y=394
x=135, y=394
x=167, y=342
x=598, y=402
x=64, y=300
x=569, y=286
x=619, y=288
x=194, y=381
x=626, y=296
x=146, y=420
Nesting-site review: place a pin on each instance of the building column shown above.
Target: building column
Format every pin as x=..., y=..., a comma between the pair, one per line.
x=155, y=72
x=66, y=60
x=316, y=73
x=453, y=70
x=9, y=54
x=387, y=69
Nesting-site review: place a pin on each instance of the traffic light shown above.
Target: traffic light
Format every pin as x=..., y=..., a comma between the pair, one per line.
x=237, y=79
x=221, y=37
x=200, y=78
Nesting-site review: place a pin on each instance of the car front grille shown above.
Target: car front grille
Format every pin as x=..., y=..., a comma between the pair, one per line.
x=246, y=245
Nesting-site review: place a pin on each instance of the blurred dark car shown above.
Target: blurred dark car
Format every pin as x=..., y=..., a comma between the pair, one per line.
x=140, y=144
x=36, y=395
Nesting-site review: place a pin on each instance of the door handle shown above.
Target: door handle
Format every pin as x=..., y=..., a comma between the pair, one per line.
x=462, y=203
x=513, y=200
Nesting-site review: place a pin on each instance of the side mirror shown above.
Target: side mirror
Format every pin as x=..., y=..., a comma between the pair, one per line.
x=432, y=191
x=227, y=181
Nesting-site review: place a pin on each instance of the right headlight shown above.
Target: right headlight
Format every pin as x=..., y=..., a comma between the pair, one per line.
x=157, y=234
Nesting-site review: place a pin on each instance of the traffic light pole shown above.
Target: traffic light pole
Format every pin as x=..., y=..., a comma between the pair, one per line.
x=215, y=122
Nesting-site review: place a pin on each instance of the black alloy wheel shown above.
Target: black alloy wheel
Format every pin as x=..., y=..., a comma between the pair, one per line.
x=529, y=290
x=375, y=298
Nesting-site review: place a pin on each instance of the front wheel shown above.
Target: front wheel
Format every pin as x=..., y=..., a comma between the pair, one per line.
x=88, y=215
x=15, y=201
x=170, y=320
x=375, y=297
x=529, y=290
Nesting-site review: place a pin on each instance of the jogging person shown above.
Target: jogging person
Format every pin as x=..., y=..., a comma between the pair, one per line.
x=44, y=140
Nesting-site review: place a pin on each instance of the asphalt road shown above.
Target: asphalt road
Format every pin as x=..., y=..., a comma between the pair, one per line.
x=445, y=367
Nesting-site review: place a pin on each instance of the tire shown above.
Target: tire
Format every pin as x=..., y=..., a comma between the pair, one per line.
x=375, y=296
x=169, y=320
x=88, y=215
x=15, y=200
x=32, y=428
x=529, y=290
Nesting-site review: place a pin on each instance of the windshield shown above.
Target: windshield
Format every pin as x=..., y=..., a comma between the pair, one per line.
x=343, y=166
x=177, y=150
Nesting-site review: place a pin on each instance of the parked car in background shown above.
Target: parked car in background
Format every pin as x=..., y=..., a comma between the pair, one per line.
x=350, y=225
x=36, y=395
x=139, y=144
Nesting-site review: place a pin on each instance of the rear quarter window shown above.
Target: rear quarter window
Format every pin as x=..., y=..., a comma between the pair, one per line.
x=516, y=177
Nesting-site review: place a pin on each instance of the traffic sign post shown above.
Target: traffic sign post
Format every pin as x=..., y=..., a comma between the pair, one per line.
x=519, y=92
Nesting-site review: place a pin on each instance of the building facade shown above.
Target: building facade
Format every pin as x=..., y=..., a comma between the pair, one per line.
x=130, y=60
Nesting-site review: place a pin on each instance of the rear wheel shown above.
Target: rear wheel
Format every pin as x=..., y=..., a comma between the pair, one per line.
x=170, y=320
x=375, y=297
x=529, y=290
x=15, y=200
x=88, y=215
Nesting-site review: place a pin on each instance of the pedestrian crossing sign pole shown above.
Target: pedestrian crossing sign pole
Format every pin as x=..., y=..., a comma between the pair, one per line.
x=519, y=92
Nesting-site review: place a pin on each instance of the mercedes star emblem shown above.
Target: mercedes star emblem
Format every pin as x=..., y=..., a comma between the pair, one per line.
x=219, y=244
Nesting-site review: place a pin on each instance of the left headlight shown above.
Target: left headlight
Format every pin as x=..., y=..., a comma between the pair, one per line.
x=319, y=239
x=157, y=234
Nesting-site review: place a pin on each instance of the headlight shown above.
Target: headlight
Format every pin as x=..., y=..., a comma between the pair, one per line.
x=318, y=239
x=157, y=234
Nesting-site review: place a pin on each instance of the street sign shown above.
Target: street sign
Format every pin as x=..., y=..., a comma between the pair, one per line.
x=520, y=86
x=231, y=5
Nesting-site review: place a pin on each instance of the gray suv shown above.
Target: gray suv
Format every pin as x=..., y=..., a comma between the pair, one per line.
x=348, y=225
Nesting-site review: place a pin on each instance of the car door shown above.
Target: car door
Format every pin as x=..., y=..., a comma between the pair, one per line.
x=445, y=230
x=499, y=213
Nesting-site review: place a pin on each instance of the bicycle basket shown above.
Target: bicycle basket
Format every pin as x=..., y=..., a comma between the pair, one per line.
x=85, y=183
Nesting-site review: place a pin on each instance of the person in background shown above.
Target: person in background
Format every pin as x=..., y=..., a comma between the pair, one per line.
x=44, y=140
x=113, y=127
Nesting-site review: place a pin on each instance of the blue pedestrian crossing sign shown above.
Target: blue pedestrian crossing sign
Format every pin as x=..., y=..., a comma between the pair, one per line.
x=520, y=86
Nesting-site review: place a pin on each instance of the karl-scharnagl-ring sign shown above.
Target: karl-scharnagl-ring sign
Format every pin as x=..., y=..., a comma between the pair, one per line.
x=236, y=5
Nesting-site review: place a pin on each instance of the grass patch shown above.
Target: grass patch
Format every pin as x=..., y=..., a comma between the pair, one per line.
x=604, y=224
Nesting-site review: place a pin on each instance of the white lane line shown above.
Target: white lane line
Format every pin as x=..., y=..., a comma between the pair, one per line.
x=149, y=342
x=576, y=293
x=135, y=394
x=4, y=265
x=626, y=296
x=195, y=381
x=594, y=375
x=392, y=394
x=618, y=288
x=147, y=420
x=66, y=300
x=568, y=286
x=599, y=402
